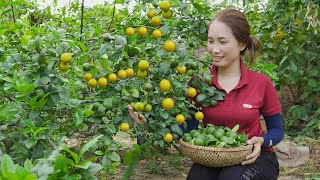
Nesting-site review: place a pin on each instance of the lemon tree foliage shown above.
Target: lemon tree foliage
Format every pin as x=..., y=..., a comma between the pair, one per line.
x=59, y=83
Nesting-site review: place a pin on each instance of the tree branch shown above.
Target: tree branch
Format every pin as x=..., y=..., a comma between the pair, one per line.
x=81, y=26
x=114, y=10
x=14, y=19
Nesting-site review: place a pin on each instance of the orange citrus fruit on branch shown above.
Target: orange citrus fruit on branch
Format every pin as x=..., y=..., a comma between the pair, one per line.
x=122, y=74
x=88, y=76
x=147, y=107
x=141, y=74
x=102, y=82
x=92, y=83
x=124, y=127
x=168, y=138
x=139, y=106
x=143, y=65
x=199, y=115
x=151, y=13
x=167, y=104
x=63, y=66
x=192, y=92
x=155, y=21
x=180, y=118
x=112, y=77
x=164, y=5
x=66, y=58
x=142, y=30
x=169, y=45
x=181, y=69
x=129, y=31
x=167, y=14
x=130, y=72
x=165, y=85
x=157, y=33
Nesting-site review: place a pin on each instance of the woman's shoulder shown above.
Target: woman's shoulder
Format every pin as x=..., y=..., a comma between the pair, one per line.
x=257, y=77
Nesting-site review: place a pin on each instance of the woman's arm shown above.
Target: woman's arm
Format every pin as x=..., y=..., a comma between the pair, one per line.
x=275, y=131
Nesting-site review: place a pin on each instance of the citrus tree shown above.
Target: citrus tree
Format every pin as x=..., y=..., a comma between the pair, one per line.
x=68, y=74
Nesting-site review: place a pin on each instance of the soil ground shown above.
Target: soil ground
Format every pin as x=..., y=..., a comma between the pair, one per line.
x=172, y=165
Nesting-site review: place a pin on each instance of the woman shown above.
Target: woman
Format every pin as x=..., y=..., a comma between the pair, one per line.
x=248, y=95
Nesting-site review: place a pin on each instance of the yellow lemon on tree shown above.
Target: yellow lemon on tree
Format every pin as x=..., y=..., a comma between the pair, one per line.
x=167, y=14
x=102, y=82
x=157, y=33
x=151, y=13
x=92, y=83
x=147, y=107
x=164, y=5
x=63, y=66
x=130, y=72
x=180, y=118
x=139, y=106
x=124, y=127
x=181, y=69
x=155, y=21
x=192, y=92
x=168, y=138
x=199, y=115
x=129, y=31
x=169, y=45
x=88, y=76
x=141, y=74
x=165, y=85
x=143, y=65
x=122, y=74
x=142, y=30
x=112, y=77
x=167, y=104
x=66, y=58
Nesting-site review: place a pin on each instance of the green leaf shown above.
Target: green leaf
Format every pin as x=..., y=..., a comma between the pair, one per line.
x=89, y=144
x=134, y=92
x=79, y=116
x=201, y=97
x=83, y=165
x=114, y=156
x=7, y=165
x=164, y=114
x=296, y=49
x=74, y=155
x=28, y=165
x=312, y=83
x=235, y=128
x=37, y=44
x=175, y=128
x=124, y=91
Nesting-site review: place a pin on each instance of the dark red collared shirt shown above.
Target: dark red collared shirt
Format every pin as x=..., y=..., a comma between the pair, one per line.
x=253, y=96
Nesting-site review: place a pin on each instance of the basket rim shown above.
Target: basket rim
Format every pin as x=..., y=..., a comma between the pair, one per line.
x=216, y=149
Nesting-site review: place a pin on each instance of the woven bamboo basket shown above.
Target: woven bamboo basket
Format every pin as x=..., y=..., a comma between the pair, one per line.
x=215, y=157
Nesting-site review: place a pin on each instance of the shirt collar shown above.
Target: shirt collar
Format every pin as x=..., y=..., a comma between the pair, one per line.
x=243, y=79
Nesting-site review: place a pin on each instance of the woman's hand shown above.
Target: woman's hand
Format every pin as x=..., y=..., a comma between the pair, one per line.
x=139, y=119
x=257, y=143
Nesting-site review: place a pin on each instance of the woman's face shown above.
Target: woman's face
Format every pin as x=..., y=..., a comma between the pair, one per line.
x=222, y=45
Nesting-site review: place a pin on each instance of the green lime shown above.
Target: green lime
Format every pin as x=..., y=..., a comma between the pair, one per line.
x=198, y=141
x=208, y=79
x=86, y=67
x=155, y=144
x=242, y=138
x=213, y=102
x=231, y=134
x=148, y=87
x=194, y=65
x=194, y=133
x=176, y=136
x=218, y=133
